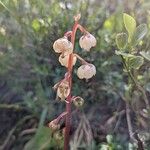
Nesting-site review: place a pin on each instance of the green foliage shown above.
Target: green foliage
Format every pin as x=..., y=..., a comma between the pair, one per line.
x=40, y=141
x=125, y=55
x=121, y=40
x=135, y=35
x=130, y=25
x=146, y=55
x=140, y=32
x=135, y=62
x=112, y=144
x=132, y=63
x=43, y=140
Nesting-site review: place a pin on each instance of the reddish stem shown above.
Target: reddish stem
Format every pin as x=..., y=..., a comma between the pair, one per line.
x=60, y=117
x=68, y=34
x=68, y=105
x=81, y=59
x=70, y=67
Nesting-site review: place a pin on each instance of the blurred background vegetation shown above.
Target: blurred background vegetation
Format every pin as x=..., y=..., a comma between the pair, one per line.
x=29, y=68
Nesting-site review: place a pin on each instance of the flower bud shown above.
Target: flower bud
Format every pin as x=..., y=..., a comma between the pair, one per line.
x=53, y=125
x=77, y=17
x=78, y=101
x=63, y=90
x=62, y=45
x=86, y=71
x=87, y=41
x=65, y=59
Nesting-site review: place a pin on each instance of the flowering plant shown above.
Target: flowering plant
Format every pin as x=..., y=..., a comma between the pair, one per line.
x=65, y=47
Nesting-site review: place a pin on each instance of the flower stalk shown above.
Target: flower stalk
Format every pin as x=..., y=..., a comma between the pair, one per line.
x=69, y=98
x=68, y=59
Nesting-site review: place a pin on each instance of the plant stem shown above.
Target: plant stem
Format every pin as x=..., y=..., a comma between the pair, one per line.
x=140, y=88
x=68, y=105
x=81, y=59
x=128, y=117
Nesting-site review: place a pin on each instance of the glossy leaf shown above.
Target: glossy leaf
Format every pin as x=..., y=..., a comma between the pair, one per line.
x=135, y=62
x=130, y=25
x=140, y=32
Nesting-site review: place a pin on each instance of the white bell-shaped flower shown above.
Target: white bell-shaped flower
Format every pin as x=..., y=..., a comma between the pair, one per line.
x=87, y=41
x=63, y=90
x=86, y=71
x=65, y=59
x=63, y=45
x=78, y=101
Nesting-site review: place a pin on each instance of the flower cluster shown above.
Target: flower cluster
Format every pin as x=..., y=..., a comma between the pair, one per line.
x=65, y=48
x=68, y=58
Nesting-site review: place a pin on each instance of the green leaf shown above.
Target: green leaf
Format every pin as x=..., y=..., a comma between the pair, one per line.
x=135, y=62
x=130, y=25
x=126, y=55
x=41, y=141
x=121, y=40
x=146, y=55
x=140, y=32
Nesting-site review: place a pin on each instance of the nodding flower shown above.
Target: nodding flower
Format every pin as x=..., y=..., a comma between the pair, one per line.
x=87, y=41
x=65, y=59
x=86, y=71
x=63, y=45
x=63, y=90
x=77, y=17
x=78, y=101
x=54, y=125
